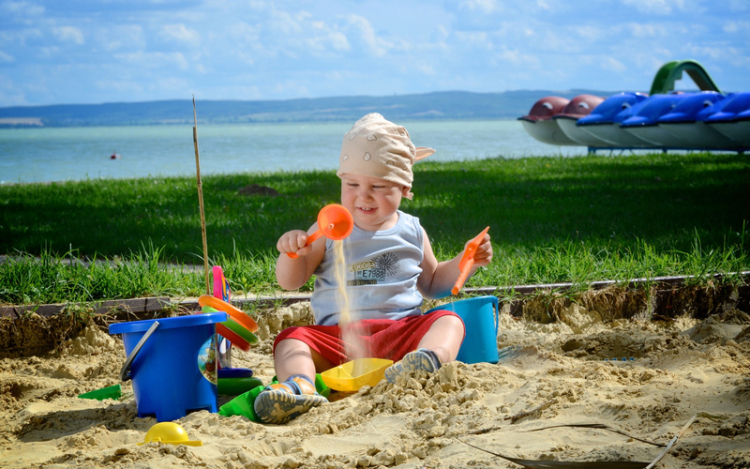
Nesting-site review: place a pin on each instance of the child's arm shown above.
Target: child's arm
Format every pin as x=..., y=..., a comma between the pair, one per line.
x=437, y=278
x=293, y=273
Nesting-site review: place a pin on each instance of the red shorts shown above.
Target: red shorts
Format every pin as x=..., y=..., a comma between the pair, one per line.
x=373, y=338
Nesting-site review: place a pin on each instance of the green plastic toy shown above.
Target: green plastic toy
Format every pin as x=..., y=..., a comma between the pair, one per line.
x=110, y=392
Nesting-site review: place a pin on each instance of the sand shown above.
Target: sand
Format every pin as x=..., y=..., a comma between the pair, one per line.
x=550, y=375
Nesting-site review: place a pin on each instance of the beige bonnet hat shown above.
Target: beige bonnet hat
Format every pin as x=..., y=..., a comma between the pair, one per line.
x=378, y=148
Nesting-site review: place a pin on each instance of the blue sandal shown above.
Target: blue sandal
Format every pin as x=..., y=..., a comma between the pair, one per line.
x=282, y=402
x=418, y=360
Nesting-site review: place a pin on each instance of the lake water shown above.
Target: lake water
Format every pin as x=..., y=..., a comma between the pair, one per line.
x=74, y=153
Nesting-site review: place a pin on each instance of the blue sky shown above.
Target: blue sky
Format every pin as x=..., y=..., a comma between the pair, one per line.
x=85, y=51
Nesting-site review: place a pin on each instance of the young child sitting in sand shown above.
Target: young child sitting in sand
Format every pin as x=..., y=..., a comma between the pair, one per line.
x=390, y=266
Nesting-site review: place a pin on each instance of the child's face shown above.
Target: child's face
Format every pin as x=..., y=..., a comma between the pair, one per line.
x=372, y=201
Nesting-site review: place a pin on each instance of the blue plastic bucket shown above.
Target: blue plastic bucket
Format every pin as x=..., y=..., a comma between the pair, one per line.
x=163, y=362
x=480, y=316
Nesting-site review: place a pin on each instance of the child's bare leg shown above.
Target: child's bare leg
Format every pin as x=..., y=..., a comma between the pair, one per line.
x=294, y=357
x=444, y=338
x=439, y=345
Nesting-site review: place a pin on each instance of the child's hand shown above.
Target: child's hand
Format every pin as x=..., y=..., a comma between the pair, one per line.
x=483, y=254
x=294, y=241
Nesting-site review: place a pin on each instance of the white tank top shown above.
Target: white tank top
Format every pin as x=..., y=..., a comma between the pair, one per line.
x=382, y=268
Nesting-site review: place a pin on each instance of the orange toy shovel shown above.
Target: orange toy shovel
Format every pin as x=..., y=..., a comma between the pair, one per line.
x=467, y=261
x=334, y=222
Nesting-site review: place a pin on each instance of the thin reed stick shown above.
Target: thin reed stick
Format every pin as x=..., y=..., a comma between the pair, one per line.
x=200, y=195
x=672, y=442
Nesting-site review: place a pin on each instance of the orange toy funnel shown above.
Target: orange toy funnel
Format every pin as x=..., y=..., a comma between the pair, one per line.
x=334, y=222
x=467, y=261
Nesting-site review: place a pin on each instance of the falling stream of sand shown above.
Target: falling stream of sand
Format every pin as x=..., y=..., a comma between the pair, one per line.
x=353, y=344
x=339, y=266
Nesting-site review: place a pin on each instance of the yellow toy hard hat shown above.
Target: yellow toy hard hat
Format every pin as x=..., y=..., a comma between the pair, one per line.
x=170, y=433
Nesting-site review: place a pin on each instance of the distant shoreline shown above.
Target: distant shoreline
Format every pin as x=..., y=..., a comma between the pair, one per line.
x=448, y=105
x=36, y=123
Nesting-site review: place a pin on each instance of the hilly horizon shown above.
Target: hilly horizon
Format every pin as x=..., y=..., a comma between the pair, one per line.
x=442, y=105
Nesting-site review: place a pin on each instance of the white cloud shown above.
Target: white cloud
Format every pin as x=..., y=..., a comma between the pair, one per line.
x=19, y=37
x=645, y=30
x=180, y=33
x=286, y=23
x=657, y=7
x=22, y=8
x=231, y=91
x=273, y=34
x=732, y=27
x=154, y=60
x=517, y=57
x=376, y=45
x=6, y=57
x=425, y=69
x=120, y=86
x=716, y=53
x=169, y=85
x=299, y=88
x=551, y=40
x=738, y=59
x=243, y=32
x=474, y=38
x=325, y=35
x=249, y=43
x=542, y=4
x=482, y=6
x=611, y=64
x=589, y=33
x=329, y=40
x=12, y=98
x=10, y=93
x=338, y=41
x=49, y=51
x=68, y=34
x=120, y=37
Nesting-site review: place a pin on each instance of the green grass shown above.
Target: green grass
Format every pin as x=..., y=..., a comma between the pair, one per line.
x=552, y=219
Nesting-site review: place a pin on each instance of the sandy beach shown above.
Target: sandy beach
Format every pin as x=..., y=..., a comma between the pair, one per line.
x=561, y=392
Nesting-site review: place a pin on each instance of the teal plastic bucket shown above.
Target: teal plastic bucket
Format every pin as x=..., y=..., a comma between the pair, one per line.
x=165, y=357
x=480, y=316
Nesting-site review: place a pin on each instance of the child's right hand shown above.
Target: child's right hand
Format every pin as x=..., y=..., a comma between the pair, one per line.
x=294, y=241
